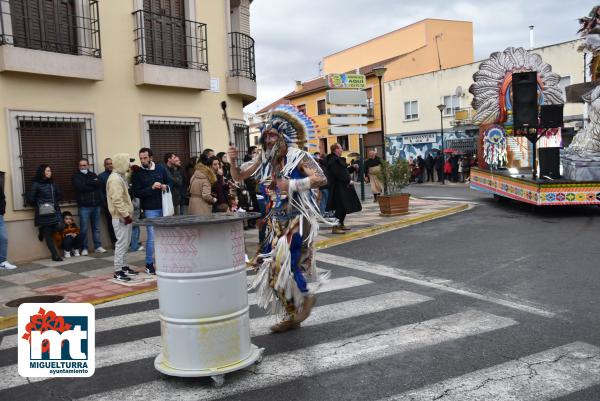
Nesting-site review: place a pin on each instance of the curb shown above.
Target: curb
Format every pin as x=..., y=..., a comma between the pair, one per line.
x=7, y=322
x=367, y=232
x=11, y=321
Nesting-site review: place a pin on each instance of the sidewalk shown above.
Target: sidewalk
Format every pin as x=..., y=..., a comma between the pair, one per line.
x=89, y=278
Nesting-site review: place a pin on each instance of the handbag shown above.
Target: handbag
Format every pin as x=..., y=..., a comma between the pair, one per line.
x=167, y=203
x=47, y=209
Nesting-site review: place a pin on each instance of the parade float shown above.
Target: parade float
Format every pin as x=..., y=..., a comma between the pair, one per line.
x=502, y=174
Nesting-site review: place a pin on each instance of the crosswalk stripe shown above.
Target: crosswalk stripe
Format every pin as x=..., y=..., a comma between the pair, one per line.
x=148, y=347
x=543, y=376
x=335, y=284
x=149, y=316
x=409, y=277
x=317, y=359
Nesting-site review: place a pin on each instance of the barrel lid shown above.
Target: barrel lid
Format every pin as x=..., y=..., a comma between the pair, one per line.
x=194, y=220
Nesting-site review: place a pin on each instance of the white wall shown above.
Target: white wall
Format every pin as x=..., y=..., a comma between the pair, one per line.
x=429, y=88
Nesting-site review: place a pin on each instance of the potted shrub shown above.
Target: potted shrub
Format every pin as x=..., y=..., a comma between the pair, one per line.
x=396, y=175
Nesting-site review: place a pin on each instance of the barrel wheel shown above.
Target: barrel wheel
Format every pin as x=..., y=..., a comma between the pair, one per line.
x=218, y=380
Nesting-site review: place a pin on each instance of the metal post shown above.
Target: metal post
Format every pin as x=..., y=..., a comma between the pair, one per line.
x=361, y=167
x=385, y=186
x=443, y=155
x=533, y=167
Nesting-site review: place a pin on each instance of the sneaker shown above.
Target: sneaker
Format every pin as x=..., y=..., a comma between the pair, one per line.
x=150, y=268
x=128, y=271
x=57, y=259
x=84, y=252
x=7, y=266
x=76, y=253
x=140, y=248
x=121, y=276
x=67, y=254
x=100, y=250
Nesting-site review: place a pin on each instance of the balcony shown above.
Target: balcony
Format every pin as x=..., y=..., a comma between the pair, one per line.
x=171, y=51
x=242, y=71
x=463, y=117
x=59, y=38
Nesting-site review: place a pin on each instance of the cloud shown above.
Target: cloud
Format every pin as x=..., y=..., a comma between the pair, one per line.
x=293, y=36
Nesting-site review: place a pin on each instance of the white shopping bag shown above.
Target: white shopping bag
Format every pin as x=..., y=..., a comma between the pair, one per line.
x=167, y=203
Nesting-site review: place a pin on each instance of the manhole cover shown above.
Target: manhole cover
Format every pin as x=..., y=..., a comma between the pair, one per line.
x=46, y=299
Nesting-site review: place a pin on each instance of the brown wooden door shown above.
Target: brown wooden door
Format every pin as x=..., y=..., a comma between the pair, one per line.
x=55, y=143
x=45, y=25
x=165, y=32
x=165, y=138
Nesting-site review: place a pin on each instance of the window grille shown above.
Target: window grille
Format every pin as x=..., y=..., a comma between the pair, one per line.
x=171, y=41
x=241, y=51
x=60, y=26
x=180, y=137
x=57, y=141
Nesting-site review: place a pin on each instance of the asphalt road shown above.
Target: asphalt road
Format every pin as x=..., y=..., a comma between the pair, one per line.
x=495, y=303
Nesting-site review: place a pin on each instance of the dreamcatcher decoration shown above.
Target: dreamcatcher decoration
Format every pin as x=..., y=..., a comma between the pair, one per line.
x=495, y=146
x=492, y=96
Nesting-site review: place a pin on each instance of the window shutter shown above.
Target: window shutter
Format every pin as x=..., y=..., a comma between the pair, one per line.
x=166, y=138
x=165, y=32
x=45, y=25
x=64, y=138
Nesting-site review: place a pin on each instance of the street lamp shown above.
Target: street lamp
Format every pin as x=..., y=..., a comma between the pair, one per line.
x=379, y=71
x=441, y=108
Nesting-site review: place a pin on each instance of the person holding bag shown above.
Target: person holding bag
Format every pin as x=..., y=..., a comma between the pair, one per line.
x=44, y=195
x=148, y=183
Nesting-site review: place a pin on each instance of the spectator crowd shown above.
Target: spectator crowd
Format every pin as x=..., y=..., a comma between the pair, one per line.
x=126, y=192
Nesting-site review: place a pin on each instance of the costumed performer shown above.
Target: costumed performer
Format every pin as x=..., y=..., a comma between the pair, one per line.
x=286, y=174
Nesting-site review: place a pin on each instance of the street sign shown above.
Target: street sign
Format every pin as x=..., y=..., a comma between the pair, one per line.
x=348, y=120
x=347, y=110
x=344, y=96
x=348, y=129
x=346, y=81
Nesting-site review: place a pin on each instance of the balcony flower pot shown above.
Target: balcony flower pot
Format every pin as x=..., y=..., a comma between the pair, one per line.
x=396, y=175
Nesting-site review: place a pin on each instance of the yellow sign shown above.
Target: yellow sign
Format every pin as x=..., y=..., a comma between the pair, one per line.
x=346, y=81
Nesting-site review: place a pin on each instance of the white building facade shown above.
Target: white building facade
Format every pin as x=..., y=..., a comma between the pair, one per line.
x=413, y=120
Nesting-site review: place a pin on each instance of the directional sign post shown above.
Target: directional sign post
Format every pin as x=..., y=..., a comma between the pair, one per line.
x=348, y=109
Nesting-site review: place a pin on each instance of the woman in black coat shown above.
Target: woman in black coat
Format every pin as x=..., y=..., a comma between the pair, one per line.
x=342, y=195
x=45, y=192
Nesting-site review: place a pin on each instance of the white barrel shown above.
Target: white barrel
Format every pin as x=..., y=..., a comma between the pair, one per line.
x=203, y=299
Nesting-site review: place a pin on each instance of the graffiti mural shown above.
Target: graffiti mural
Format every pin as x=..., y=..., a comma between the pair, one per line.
x=398, y=148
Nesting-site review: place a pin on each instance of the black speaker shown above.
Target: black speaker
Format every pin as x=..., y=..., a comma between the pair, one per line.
x=524, y=91
x=551, y=115
x=549, y=162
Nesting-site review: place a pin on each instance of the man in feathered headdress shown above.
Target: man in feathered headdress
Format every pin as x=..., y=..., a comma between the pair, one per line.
x=286, y=175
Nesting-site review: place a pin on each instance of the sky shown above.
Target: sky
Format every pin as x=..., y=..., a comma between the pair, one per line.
x=292, y=36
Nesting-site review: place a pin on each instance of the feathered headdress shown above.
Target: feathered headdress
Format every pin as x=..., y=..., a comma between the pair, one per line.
x=293, y=125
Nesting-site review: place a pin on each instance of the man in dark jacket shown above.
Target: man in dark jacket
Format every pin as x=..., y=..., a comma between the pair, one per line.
x=342, y=195
x=108, y=167
x=175, y=174
x=149, y=182
x=429, y=163
x=439, y=167
x=4, y=264
x=250, y=184
x=89, y=199
x=324, y=190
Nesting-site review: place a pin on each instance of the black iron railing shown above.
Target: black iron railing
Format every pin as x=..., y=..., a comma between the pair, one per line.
x=241, y=52
x=60, y=26
x=170, y=41
x=241, y=133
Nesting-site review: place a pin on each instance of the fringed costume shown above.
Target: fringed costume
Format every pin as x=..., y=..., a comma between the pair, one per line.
x=286, y=258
